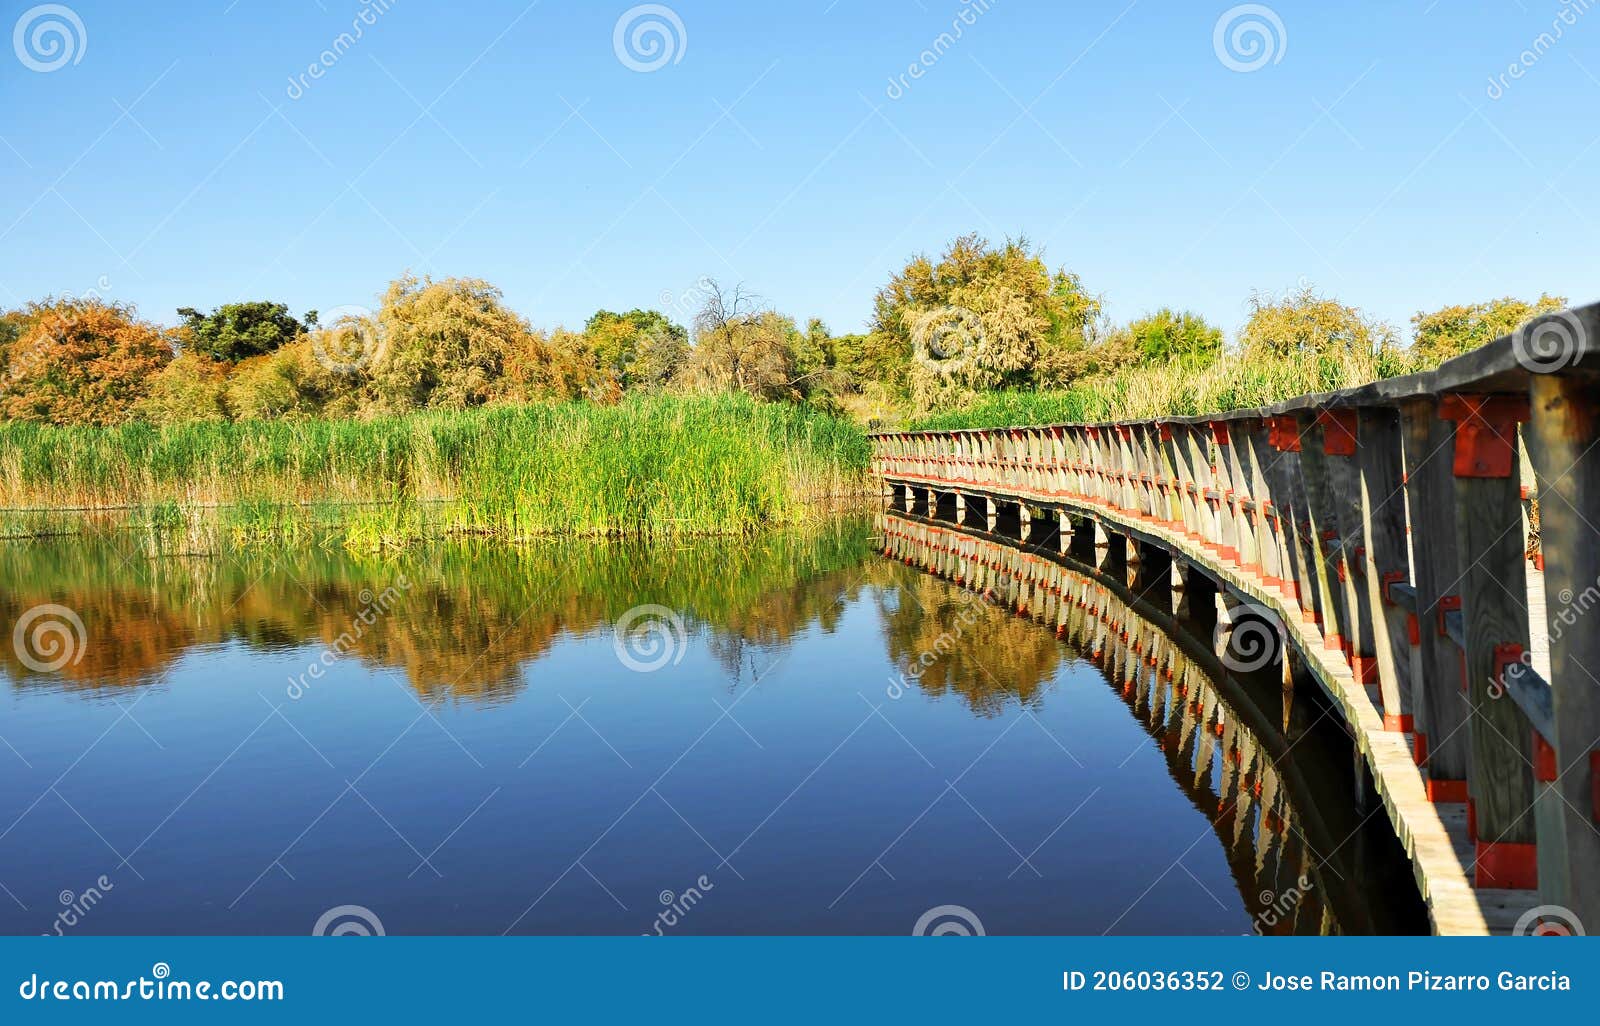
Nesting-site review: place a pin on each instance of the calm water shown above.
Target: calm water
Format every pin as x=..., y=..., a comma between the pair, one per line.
x=459, y=741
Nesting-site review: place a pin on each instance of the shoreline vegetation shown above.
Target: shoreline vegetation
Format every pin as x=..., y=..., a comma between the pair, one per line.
x=445, y=413
x=650, y=465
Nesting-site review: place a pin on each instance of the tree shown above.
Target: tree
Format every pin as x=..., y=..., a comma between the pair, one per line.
x=238, y=331
x=742, y=346
x=192, y=387
x=639, y=349
x=1167, y=335
x=1454, y=330
x=447, y=344
x=982, y=318
x=81, y=361
x=1303, y=322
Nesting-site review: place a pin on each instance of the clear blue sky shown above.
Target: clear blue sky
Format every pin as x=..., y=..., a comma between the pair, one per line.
x=508, y=142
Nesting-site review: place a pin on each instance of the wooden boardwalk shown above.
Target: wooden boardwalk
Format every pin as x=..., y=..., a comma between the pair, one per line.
x=1384, y=531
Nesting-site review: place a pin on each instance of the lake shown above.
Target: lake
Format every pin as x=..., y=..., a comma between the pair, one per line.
x=783, y=734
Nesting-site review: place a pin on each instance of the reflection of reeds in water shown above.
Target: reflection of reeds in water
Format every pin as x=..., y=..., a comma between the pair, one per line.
x=474, y=615
x=1214, y=753
x=651, y=465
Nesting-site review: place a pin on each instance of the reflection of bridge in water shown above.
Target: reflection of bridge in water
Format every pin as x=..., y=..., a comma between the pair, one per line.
x=1384, y=532
x=1300, y=855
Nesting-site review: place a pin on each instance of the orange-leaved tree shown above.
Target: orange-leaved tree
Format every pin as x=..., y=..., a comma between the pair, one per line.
x=81, y=361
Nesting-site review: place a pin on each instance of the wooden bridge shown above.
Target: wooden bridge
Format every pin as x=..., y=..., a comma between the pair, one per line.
x=1427, y=548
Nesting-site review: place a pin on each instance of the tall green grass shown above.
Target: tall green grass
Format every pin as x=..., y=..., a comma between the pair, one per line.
x=650, y=465
x=1235, y=382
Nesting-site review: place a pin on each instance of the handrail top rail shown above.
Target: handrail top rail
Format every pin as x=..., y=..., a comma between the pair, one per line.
x=1499, y=366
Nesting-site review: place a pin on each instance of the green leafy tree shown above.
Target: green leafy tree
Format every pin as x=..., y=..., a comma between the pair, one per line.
x=238, y=331
x=980, y=318
x=1454, y=330
x=1167, y=335
x=639, y=349
x=1304, y=322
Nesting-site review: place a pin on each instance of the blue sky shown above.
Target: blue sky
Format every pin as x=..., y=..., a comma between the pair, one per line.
x=170, y=162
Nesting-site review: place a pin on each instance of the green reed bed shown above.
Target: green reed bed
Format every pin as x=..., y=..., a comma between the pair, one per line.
x=650, y=465
x=1235, y=382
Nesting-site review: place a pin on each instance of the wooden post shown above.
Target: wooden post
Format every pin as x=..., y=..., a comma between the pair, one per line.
x=1488, y=511
x=1443, y=745
x=1319, y=511
x=1387, y=563
x=1339, y=436
x=1561, y=440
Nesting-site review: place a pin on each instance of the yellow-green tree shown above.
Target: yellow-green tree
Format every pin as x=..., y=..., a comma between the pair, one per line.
x=1306, y=323
x=1454, y=330
x=982, y=317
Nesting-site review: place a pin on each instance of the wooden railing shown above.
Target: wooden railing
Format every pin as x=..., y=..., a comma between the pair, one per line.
x=1394, y=530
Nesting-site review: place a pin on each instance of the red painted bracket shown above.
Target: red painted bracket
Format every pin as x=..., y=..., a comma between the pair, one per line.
x=1507, y=866
x=1486, y=432
x=1413, y=629
x=1166, y=432
x=1504, y=656
x=1338, y=432
x=1447, y=604
x=1420, y=743
x=1219, y=432
x=1283, y=433
x=1389, y=578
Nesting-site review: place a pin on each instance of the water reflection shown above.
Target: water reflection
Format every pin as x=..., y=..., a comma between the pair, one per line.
x=1300, y=863
x=861, y=728
x=464, y=620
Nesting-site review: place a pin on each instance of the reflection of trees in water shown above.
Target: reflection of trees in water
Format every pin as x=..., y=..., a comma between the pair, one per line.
x=473, y=616
x=949, y=641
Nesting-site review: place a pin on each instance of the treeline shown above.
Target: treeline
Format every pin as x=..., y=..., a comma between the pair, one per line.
x=980, y=327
